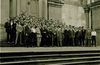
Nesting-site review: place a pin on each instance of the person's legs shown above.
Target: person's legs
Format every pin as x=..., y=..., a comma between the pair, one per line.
x=82, y=41
x=17, y=34
x=8, y=37
x=95, y=40
x=39, y=41
x=13, y=37
x=20, y=38
x=92, y=40
x=58, y=41
x=87, y=42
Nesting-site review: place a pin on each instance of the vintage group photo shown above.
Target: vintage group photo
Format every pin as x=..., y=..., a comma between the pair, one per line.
x=50, y=32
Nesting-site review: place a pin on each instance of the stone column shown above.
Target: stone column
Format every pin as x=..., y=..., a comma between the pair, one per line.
x=43, y=8
x=87, y=16
x=13, y=8
x=90, y=19
x=18, y=6
x=40, y=8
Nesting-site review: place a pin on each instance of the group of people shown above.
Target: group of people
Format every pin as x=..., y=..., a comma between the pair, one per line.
x=32, y=31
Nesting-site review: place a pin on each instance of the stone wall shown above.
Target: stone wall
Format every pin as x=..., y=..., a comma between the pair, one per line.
x=55, y=12
x=96, y=21
x=4, y=16
x=73, y=13
x=12, y=8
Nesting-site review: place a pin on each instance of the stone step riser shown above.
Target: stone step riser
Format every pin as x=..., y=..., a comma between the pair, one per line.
x=42, y=57
x=70, y=57
x=56, y=61
x=45, y=53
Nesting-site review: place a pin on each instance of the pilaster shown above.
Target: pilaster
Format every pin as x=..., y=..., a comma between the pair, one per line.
x=43, y=8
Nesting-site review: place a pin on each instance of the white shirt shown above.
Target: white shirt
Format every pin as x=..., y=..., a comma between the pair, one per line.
x=38, y=30
x=93, y=33
x=33, y=30
x=11, y=23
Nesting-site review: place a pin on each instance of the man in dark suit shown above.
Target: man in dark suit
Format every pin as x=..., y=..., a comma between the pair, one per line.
x=77, y=37
x=13, y=31
x=76, y=40
x=44, y=36
x=80, y=36
x=66, y=37
x=70, y=36
x=83, y=32
x=8, y=31
x=27, y=31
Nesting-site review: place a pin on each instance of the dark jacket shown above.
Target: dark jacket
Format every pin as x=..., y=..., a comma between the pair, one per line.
x=13, y=28
x=7, y=27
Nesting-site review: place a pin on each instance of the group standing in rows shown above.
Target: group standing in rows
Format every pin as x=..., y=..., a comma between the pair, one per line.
x=28, y=31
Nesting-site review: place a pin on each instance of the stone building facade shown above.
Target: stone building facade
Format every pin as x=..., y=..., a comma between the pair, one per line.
x=84, y=12
x=38, y=8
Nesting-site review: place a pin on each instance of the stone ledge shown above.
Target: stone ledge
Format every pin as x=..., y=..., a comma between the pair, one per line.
x=46, y=49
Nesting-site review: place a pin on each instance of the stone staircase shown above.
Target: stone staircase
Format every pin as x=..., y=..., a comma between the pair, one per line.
x=67, y=57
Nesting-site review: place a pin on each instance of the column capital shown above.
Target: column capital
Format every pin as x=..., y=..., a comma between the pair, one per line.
x=86, y=9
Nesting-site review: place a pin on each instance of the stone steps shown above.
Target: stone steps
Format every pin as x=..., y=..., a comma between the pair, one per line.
x=51, y=57
x=78, y=60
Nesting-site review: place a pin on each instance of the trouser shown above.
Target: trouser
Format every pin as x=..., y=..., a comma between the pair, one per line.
x=55, y=41
x=59, y=41
x=76, y=41
x=18, y=38
x=26, y=40
x=38, y=41
x=73, y=43
x=80, y=41
x=70, y=41
x=8, y=37
x=93, y=40
x=43, y=41
x=13, y=37
x=33, y=39
x=65, y=42
x=88, y=42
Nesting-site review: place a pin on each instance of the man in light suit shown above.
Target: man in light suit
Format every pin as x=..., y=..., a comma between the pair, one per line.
x=19, y=30
x=38, y=34
x=59, y=36
x=88, y=37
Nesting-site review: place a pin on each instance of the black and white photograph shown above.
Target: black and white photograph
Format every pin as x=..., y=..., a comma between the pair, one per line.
x=49, y=32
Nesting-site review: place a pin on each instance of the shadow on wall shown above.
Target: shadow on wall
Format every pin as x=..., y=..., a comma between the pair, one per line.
x=98, y=37
x=2, y=33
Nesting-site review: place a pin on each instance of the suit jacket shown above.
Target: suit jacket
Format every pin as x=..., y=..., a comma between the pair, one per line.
x=83, y=32
x=66, y=34
x=8, y=27
x=19, y=28
x=88, y=35
x=27, y=30
x=13, y=28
